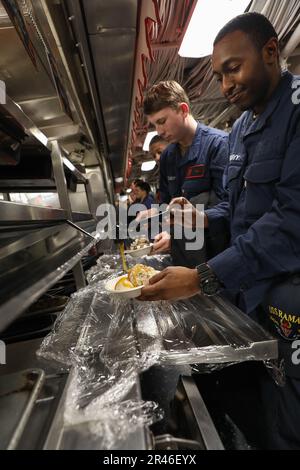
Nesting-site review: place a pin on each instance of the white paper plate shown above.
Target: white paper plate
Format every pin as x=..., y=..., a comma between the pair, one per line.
x=127, y=293
x=140, y=252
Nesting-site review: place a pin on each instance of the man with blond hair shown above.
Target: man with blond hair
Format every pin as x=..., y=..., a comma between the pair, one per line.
x=193, y=163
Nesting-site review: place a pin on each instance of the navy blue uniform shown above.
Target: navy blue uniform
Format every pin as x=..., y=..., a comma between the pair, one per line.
x=199, y=170
x=198, y=174
x=263, y=179
x=147, y=202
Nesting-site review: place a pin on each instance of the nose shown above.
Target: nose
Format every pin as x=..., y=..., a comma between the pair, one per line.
x=159, y=129
x=227, y=85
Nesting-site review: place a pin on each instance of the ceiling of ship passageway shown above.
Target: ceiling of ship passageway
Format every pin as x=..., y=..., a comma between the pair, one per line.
x=195, y=75
x=107, y=56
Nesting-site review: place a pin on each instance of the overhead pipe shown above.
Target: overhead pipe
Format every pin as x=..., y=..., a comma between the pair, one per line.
x=292, y=44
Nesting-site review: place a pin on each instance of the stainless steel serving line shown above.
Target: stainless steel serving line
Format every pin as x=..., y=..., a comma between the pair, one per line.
x=33, y=260
x=18, y=392
x=17, y=213
x=30, y=391
x=207, y=332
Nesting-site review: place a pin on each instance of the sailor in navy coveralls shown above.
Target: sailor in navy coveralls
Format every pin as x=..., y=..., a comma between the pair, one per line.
x=193, y=163
x=263, y=214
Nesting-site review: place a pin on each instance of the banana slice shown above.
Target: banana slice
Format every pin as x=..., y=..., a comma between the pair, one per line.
x=123, y=284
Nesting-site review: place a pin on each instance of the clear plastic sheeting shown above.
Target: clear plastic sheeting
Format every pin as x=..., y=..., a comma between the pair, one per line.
x=209, y=331
x=117, y=424
x=104, y=390
x=107, y=265
x=109, y=342
x=58, y=347
x=108, y=356
x=96, y=337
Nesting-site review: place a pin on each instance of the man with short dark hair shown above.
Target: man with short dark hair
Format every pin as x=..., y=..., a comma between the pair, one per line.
x=263, y=213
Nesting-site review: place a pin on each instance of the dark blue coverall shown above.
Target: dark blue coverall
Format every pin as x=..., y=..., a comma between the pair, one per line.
x=263, y=213
x=198, y=176
x=199, y=170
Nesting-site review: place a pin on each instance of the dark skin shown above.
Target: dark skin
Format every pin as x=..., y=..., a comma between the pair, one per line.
x=248, y=77
x=184, y=282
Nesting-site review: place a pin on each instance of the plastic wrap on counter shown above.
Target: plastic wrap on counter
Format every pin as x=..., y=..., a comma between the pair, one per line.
x=58, y=346
x=109, y=341
x=206, y=334
x=96, y=336
x=113, y=425
x=108, y=350
x=107, y=265
x=104, y=388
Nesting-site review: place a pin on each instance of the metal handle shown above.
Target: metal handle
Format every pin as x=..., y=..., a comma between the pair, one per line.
x=81, y=230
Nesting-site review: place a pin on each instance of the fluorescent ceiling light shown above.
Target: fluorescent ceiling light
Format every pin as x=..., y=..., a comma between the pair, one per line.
x=148, y=139
x=148, y=166
x=208, y=18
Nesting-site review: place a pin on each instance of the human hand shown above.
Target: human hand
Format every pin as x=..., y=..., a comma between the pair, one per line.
x=172, y=283
x=162, y=243
x=142, y=215
x=184, y=213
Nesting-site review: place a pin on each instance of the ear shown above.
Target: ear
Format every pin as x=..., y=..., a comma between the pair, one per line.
x=184, y=107
x=271, y=51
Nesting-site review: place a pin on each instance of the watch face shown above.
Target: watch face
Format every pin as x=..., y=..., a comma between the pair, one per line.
x=211, y=287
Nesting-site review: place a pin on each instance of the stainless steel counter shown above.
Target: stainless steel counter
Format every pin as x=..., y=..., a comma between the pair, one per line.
x=201, y=331
x=117, y=342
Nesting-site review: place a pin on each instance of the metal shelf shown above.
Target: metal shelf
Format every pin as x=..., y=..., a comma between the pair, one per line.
x=11, y=212
x=37, y=247
x=33, y=262
x=16, y=111
x=80, y=178
x=34, y=185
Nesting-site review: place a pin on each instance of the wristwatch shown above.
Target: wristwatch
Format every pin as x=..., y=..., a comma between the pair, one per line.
x=208, y=281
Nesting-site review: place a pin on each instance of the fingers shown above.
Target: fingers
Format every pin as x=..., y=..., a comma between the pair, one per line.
x=181, y=201
x=157, y=277
x=142, y=215
x=152, y=292
x=158, y=237
x=161, y=242
x=162, y=246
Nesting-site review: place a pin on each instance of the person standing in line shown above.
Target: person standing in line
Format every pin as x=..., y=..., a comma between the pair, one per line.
x=193, y=163
x=262, y=265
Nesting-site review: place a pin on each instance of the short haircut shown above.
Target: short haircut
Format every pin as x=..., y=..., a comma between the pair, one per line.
x=167, y=94
x=156, y=139
x=143, y=186
x=255, y=25
x=137, y=181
